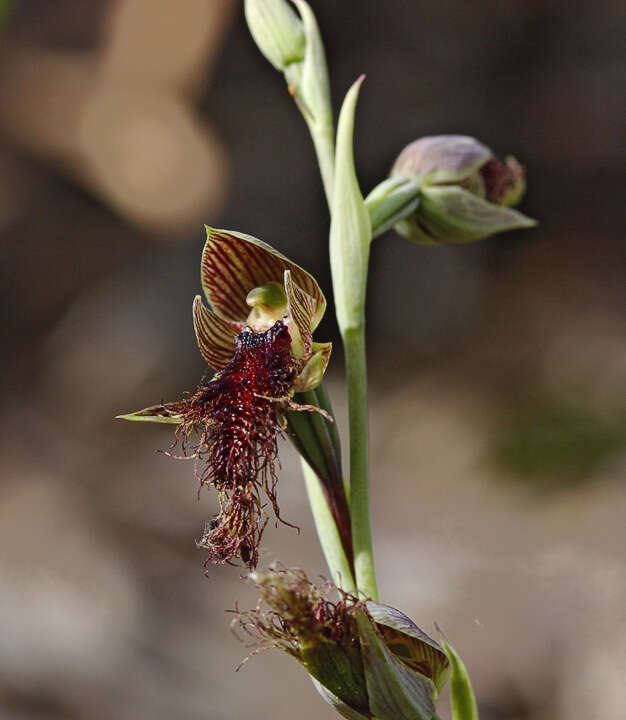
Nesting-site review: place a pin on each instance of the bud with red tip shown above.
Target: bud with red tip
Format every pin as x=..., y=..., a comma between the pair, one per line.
x=449, y=189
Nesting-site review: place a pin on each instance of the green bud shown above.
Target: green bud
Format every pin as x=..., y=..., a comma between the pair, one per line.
x=277, y=31
x=465, y=191
x=441, y=159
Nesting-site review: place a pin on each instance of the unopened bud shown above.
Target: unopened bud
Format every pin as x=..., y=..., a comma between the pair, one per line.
x=277, y=31
x=465, y=190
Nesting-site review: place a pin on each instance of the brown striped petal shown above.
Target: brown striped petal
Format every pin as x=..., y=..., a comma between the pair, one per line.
x=215, y=336
x=301, y=311
x=234, y=263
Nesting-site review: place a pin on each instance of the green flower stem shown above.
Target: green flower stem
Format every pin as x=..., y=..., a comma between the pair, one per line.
x=312, y=94
x=323, y=402
x=332, y=480
x=392, y=201
x=356, y=372
x=324, y=144
x=327, y=531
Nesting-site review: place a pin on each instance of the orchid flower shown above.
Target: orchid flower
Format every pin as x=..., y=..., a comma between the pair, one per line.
x=366, y=659
x=258, y=335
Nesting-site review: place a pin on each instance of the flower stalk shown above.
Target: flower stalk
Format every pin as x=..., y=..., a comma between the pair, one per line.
x=350, y=235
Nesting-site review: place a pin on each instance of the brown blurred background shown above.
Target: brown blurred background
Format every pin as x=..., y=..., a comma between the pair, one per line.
x=498, y=369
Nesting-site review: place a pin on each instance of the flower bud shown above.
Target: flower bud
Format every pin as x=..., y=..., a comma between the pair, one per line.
x=277, y=31
x=465, y=190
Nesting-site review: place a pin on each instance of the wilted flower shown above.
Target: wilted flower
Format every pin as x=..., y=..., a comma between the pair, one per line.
x=258, y=336
x=465, y=191
x=367, y=659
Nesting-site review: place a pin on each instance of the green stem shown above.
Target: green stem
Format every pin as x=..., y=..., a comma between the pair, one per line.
x=327, y=531
x=331, y=479
x=356, y=372
x=324, y=144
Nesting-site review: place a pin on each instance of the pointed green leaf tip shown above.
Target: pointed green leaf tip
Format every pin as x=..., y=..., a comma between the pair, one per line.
x=461, y=693
x=350, y=228
x=168, y=413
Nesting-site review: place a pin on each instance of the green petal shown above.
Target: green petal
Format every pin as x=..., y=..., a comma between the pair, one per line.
x=215, y=336
x=395, y=691
x=410, y=644
x=339, y=671
x=313, y=371
x=442, y=158
x=339, y=705
x=453, y=215
x=164, y=413
x=461, y=693
x=233, y=264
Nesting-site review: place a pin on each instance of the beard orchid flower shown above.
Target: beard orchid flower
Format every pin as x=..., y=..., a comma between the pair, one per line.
x=257, y=335
x=367, y=659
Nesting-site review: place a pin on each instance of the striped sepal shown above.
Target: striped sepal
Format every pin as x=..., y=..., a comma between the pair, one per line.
x=215, y=336
x=410, y=644
x=170, y=413
x=396, y=692
x=324, y=349
x=301, y=311
x=234, y=263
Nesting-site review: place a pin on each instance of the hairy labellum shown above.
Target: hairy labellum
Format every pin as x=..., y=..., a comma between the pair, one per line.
x=238, y=417
x=294, y=612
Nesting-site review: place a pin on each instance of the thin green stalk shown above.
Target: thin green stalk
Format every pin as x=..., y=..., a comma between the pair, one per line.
x=326, y=440
x=324, y=144
x=327, y=531
x=356, y=375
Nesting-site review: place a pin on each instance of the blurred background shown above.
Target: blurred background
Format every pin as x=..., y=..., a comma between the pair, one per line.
x=498, y=370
